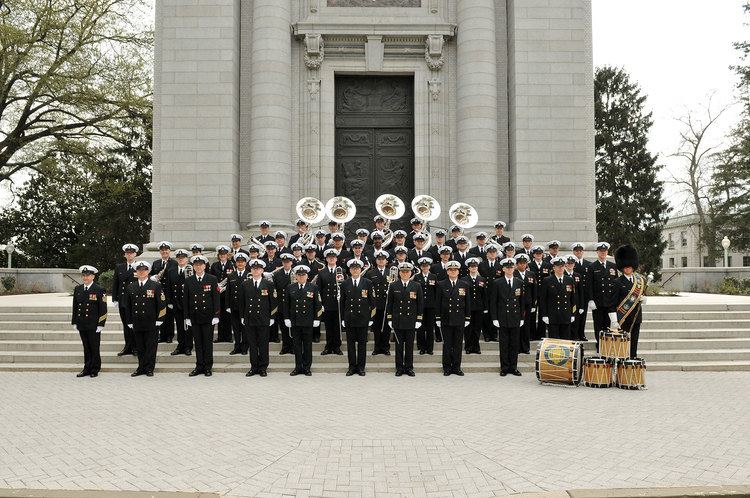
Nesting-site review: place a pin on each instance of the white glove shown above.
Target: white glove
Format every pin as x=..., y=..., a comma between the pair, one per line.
x=316, y=323
x=545, y=319
x=521, y=324
x=130, y=325
x=496, y=323
x=572, y=319
x=214, y=321
x=229, y=310
x=417, y=325
x=99, y=330
x=271, y=322
x=369, y=324
x=437, y=322
x=188, y=323
x=486, y=311
x=154, y=278
x=613, y=319
x=390, y=323
x=343, y=323
x=242, y=321
x=158, y=324
x=466, y=324
x=592, y=305
x=75, y=327
x=533, y=310
x=580, y=311
x=170, y=306
x=288, y=323
x=114, y=302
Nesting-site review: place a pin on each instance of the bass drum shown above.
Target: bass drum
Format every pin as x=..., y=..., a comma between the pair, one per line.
x=559, y=361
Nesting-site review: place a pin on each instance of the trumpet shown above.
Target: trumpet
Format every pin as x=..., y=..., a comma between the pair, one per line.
x=463, y=215
x=390, y=207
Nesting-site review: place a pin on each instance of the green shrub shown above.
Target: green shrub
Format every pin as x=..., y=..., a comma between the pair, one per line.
x=735, y=286
x=105, y=279
x=9, y=283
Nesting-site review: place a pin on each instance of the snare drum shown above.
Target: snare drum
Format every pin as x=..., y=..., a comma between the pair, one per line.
x=614, y=345
x=631, y=373
x=559, y=361
x=597, y=372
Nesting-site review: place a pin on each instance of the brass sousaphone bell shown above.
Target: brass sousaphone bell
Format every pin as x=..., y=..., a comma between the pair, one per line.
x=463, y=215
x=341, y=210
x=390, y=207
x=427, y=209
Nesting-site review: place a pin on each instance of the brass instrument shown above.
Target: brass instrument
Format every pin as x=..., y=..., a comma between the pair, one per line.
x=188, y=270
x=223, y=284
x=463, y=215
x=390, y=207
x=311, y=210
x=426, y=208
x=341, y=210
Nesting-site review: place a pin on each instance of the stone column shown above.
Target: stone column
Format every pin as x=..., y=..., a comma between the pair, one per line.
x=271, y=116
x=476, y=108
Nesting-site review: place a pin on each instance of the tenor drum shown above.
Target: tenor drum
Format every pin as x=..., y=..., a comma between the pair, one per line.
x=614, y=345
x=631, y=373
x=597, y=372
x=559, y=361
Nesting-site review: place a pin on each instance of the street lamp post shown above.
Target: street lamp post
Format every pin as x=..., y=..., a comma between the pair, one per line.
x=725, y=243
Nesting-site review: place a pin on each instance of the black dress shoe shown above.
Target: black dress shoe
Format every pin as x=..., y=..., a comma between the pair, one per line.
x=446, y=373
x=316, y=340
x=325, y=352
x=430, y=352
x=82, y=374
x=525, y=352
x=338, y=352
x=208, y=373
x=250, y=373
x=294, y=372
x=308, y=373
x=410, y=373
x=188, y=352
x=94, y=374
x=235, y=351
x=477, y=352
x=150, y=373
x=244, y=351
x=136, y=373
x=516, y=373
x=161, y=341
x=175, y=352
x=194, y=373
x=387, y=353
x=361, y=373
x=375, y=353
x=169, y=341
x=421, y=351
x=263, y=373
x=503, y=373
x=134, y=353
x=399, y=373
x=124, y=352
x=350, y=372
x=459, y=372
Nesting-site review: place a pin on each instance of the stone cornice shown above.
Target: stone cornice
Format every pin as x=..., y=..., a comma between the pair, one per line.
x=357, y=26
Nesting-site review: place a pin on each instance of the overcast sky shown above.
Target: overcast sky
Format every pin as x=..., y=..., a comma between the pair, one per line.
x=679, y=51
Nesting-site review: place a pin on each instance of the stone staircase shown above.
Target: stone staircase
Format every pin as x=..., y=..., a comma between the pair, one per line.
x=711, y=337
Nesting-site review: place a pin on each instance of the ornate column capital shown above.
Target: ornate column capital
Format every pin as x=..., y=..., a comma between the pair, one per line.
x=433, y=52
x=314, y=51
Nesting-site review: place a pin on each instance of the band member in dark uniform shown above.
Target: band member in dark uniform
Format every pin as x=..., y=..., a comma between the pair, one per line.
x=506, y=309
x=557, y=301
x=174, y=291
x=602, y=276
x=440, y=269
x=221, y=269
x=145, y=306
x=582, y=267
x=416, y=227
x=312, y=261
x=428, y=281
x=439, y=241
x=419, y=250
x=259, y=306
x=89, y=317
x=500, y=238
x=378, y=276
x=265, y=233
x=480, y=250
x=236, y=242
x=461, y=254
x=302, y=310
x=543, y=270
x=452, y=315
x=328, y=282
x=201, y=303
x=159, y=271
x=357, y=311
x=580, y=301
x=629, y=296
x=281, y=280
x=234, y=302
x=530, y=286
x=553, y=248
x=491, y=270
x=479, y=305
x=404, y=313
x=124, y=274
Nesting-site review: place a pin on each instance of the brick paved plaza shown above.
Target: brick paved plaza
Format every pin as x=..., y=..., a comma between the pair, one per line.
x=330, y=435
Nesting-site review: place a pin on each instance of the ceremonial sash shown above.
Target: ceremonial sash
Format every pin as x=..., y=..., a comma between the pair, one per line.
x=628, y=305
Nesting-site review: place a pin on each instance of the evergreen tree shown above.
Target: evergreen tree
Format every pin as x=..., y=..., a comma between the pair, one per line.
x=629, y=197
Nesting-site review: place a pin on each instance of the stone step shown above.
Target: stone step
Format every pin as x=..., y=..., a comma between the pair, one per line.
x=64, y=316
x=674, y=355
x=647, y=324
x=283, y=369
x=72, y=343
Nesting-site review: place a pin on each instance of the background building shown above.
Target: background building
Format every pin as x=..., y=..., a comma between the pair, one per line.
x=258, y=103
x=681, y=234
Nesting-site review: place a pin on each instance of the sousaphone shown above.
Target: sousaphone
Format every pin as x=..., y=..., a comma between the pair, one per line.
x=390, y=207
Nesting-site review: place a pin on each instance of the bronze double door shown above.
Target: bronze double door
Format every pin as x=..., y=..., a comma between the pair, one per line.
x=374, y=144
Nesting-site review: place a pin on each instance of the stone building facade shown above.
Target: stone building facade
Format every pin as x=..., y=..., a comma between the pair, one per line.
x=258, y=103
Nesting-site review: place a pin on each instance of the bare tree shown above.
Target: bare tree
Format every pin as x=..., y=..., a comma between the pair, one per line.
x=699, y=157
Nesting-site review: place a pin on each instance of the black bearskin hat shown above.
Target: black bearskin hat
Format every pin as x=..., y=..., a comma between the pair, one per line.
x=626, y=255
